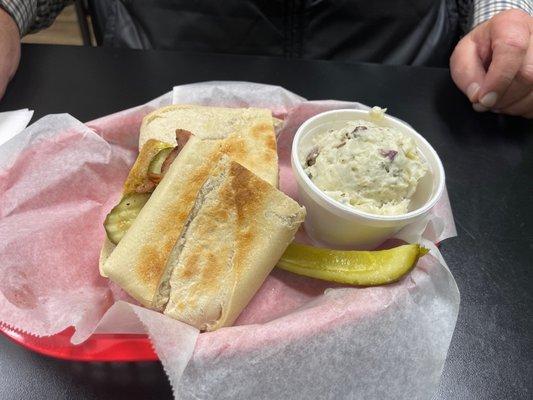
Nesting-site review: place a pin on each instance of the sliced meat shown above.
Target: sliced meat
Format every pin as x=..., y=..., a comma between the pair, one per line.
x=147, y=186
x=182, y=137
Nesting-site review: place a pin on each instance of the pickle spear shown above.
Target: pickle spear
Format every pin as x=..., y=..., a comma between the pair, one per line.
x=119, y=220
x=359, y=268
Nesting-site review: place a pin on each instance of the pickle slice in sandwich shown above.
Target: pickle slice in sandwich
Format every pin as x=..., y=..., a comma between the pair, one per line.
x=155, y=172
x=119, y=220
x=359, y=268
x=162, y=160
x=153, y=161
x=136, y=192
x=138, y=180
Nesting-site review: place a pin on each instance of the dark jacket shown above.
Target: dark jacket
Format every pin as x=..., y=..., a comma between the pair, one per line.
x=414, y=32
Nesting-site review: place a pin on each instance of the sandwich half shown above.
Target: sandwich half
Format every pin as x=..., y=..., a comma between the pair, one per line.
x=237, y=230
x=138, y=261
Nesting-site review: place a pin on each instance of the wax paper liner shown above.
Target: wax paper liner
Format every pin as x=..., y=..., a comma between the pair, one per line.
x=298, y=338
x=12, y=122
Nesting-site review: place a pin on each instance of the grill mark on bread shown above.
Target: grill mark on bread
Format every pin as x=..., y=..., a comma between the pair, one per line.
x=172, y=219
x=216, y=263
x=270, y=142
x=262, y=151
x=248, y=190
x=200, y=267
x=235, y=147
x=176, y=241
x=219, y=215
x=259, y=129
x=264, y=132
x=192, y=267
x=249, y=198
x=270, y=152
x=209, y=274
x=151, y=259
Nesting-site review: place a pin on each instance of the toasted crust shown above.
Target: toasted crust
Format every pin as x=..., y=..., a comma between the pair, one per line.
x=239, y=229
x=205, y=122
x=138, y=262
x=253, y=127
x=138, y=175
x=137, y=178
x=255, y=150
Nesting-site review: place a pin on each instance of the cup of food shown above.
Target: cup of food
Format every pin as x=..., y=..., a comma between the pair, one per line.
x=363, y=176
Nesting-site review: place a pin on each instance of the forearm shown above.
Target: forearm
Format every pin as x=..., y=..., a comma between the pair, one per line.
x=9, y=49
x=32, y=15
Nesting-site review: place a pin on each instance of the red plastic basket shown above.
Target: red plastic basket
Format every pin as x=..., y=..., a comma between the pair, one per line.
x=99, y=347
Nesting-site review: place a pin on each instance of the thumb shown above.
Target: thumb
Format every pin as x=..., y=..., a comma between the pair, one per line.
x=509, y=42
x=466, y=68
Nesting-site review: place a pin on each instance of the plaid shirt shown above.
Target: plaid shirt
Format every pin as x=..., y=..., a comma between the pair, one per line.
x=486, y=9
x=32, y=15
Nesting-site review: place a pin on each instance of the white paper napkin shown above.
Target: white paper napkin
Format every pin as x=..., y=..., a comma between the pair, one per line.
x=13, y=122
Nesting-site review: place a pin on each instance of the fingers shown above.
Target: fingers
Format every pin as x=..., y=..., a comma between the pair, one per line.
x=523, y=107
x=510, y=37
x=516, y=91
x=466, y=68
x=525, y=74
x=522, y=83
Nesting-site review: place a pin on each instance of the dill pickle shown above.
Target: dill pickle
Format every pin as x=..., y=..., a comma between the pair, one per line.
x=154, y=169
x=120, y=218
x=359, y=268
x=138, y=180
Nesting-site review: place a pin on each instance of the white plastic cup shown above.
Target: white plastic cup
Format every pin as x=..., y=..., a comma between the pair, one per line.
x=336, y=225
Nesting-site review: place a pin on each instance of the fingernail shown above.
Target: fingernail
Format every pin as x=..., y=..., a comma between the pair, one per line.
x=479, y=107
x=489, y=99
x=471, y=90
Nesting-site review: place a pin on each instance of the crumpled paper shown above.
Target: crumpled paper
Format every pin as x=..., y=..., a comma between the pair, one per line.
x=298, y=338
x=13, y=122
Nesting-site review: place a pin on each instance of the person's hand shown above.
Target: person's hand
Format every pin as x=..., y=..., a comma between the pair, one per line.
x=493, y=64
x=9, y=49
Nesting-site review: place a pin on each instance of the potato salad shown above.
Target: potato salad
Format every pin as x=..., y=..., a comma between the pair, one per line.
x=373, y=168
